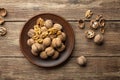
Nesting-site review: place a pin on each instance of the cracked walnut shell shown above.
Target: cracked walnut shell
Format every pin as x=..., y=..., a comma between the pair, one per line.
x=3, y=31
x=89, y=34
x=3, y=12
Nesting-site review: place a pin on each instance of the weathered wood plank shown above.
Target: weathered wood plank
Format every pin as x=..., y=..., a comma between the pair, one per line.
x=70, y=9
x=111, y=47
x=99, y=68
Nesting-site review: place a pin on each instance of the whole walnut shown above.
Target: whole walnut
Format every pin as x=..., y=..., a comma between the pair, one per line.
x=48, y=23
x=56, y=42
x=62, y=36
x=56, y=55
x=62, y=48
x=34, y=50
x=31, y=33
x=47, y=41
x=36, y=47
x=30, y=41
x=43, y=29
x=50, y=51
x=57, y=26
x=98, y=39
x=43, y=55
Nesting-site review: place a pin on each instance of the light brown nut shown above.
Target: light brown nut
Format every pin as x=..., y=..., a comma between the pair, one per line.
x=50, y=51
x=62, y=48
x=47, y=41
x=56, y=42
x=43, y=55
x=88, y=13
x=43, y=29
x=89, y=34
x=62, y=36
x=31, y=33
x=81, y=61
x=94, y=24
x=52, y=36
x=57, y=26
x=3, y=12
x=48, y=23
x=102, y=30
x=3, y=31
x=98, y=17
x=81, y=24
x=40, y=22
x=56, y=55
x=44, y=34
x=34, y=53
x=102, y=22
x=40, y=47
x=98, y=39
x=1, y=20
x=30, y=41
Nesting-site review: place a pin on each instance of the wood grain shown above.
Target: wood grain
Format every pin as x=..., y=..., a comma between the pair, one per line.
x=83, y=46
x=21, y=69
x=70, y=9
x=103, y=61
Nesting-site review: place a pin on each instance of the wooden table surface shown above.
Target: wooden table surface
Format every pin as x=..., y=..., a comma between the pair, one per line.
x=103, y=61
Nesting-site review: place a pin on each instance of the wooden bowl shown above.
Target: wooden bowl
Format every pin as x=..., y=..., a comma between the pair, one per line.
x=26, y=50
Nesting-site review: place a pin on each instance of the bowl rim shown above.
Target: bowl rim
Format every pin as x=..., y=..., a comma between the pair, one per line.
x=24, y=53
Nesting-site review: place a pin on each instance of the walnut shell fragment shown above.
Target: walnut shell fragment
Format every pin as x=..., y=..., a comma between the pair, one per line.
x=94, y=24
x=88, y=13
x=81, y=24
x=89, y=34
x=3, y=31
x=1, y=20
x=102, y=22
x=3, y=12
x=98, y=17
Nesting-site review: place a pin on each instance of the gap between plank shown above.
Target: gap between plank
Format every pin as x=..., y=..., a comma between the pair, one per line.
x=70, y=57
x=67, y=20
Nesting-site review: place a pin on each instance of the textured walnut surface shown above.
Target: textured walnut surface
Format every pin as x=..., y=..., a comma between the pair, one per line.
x=103, y=61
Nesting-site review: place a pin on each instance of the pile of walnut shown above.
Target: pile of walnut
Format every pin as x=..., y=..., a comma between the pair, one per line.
x=46, y=39
x=3, y=13
x=95, y=24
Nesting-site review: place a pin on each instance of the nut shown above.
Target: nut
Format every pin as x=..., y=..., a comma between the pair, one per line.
x=30, y=41
x=34, y=53
x=62, y=48
x=56, y=55
x=3, y=31
x=47, y=41
x=81, y=60
x=40, y=47
x=48, y=23
x=102, y=22
x=3, y=12
x=40, y=22
x=1, y=20
x=88, y=13
x=57, y=26
x=50, y=51
x=98, y=17
x=89, y=34
x=62, y=36
x=43, y=29
x=98, y=39
x=81, y=24
x=102, y=30
x=56, y=42
x=31, y=33
x=94, y=24
x=43, y=55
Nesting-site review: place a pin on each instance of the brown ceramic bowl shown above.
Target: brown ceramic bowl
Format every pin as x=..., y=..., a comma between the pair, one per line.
x=26, y=50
